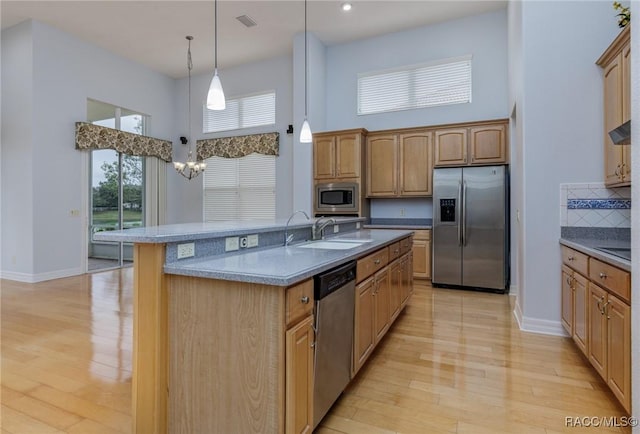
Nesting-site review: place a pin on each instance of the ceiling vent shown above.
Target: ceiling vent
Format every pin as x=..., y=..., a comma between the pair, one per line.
x=246, y=20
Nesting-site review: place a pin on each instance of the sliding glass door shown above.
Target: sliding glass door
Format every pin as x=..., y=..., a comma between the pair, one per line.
x=117, y=190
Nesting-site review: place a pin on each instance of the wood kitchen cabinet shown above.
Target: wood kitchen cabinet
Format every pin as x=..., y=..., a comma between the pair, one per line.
x=382, y=291
x=338, y=155
x=596, y=312
x=422, y=254
x=299, y=377
x=615, y=63
x=399, y=164
x=475, y=145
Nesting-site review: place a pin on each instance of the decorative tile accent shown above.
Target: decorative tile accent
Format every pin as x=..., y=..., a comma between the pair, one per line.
x=593, y=205
x=599, y=203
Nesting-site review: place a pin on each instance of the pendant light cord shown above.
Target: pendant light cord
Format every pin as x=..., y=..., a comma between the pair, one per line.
x=215, y=35
x=189, y=67
x=305, y=59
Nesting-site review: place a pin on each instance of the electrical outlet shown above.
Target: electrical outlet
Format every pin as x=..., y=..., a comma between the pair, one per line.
x=231, y=243
x=401, y=212
x=243, y=242
x=186, y=250
x=74, y=213
x=336, y=229
x=252, y=240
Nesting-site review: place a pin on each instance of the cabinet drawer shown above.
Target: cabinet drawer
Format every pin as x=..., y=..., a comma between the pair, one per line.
x=405, y=245
x=299, y=301
x=394, y=251
x=614, y=279
x=372, y=263
x=576, y=260
x=422, y=234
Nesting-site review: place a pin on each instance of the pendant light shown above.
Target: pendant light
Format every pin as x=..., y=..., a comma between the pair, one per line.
x=215, y=96
x=191, y=168
x=305, y=131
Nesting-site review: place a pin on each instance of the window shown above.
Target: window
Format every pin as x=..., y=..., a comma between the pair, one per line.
x=243, y=112
x=240, y=188
x=437, y=83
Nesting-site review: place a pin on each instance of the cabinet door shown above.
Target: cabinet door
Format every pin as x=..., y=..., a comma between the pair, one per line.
x=421, y=256
x=567, y=300
x=619, y=350
x=488, y=144
x=580, y=312
x=450, y=147
x=348, y=158
x=406, y=270
x=299, y=378
x=324, y=157
x=415, y=164
x=363, y=323
x=626, y=108
x=381, y=303
x=597, y=329
x=382, y=165
x=409, y=271
x=612, y=119
x=395, y=289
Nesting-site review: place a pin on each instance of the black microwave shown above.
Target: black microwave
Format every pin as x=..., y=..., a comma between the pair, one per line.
x=337, y=197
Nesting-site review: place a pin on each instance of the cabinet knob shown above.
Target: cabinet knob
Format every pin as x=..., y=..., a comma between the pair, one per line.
x=570, y=258
x=603, y=275
x=304, y=300
x=377, y=261
x=396, y=251
x=617, y=172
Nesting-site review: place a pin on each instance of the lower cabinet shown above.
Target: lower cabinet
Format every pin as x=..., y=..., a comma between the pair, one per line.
x=422, y=254
x=299, y=377
x=380, y=298
x=598, y=317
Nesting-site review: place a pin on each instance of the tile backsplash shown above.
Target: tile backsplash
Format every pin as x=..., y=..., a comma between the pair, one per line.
x=594, y=205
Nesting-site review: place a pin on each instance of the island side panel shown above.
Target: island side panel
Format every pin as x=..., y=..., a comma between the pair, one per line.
x=226, y=352
x=150, y=345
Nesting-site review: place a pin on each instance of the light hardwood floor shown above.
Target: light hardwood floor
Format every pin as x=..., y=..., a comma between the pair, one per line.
x=454, y=362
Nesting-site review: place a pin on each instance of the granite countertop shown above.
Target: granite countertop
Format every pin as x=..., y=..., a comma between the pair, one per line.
x=204, y=230
x=395, y=223
x=586, y=239
x=284, y=266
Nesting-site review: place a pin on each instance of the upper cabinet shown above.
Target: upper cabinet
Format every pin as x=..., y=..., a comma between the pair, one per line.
x=338, y=155
x=399, y=163
x=615, y=63
x=476, y=145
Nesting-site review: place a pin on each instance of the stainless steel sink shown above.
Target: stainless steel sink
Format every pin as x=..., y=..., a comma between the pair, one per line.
x=620, y=252
x=331, y=245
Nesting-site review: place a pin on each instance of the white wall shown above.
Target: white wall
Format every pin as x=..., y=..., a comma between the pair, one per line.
x=66, y=71
x=17, y=151
x=483, y=36
x=185, y=197
x=561, y=125
x=410, y=208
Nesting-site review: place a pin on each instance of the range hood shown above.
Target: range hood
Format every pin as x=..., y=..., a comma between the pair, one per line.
x=622, y=134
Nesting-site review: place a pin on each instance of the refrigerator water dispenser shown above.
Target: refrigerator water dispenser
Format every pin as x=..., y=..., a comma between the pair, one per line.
x=447, y=210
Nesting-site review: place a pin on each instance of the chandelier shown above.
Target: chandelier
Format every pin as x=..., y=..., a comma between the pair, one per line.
x=191, y=168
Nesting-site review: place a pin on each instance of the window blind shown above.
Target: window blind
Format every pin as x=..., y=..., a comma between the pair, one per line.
x=240, y=188
x=242, y=112
x=437, y=83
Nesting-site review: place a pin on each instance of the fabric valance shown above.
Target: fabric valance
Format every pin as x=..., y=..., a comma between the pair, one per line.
x=238, y=146
x=90, y=136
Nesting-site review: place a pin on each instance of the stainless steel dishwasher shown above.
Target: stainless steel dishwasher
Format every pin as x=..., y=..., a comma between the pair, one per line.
x=335, y=300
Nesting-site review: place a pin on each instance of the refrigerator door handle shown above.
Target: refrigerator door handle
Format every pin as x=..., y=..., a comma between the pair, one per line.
x=464, y=213
x=459, y=205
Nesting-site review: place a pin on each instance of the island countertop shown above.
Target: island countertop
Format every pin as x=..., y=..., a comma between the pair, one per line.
x=284, y=265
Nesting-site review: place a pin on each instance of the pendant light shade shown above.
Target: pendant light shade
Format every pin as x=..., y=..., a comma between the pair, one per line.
x=215, y=97
x=305, y=132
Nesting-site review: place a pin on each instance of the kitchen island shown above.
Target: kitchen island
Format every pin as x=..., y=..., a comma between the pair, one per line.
x=223, y=341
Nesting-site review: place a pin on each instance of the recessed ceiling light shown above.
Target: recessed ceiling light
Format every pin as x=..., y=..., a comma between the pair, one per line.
x=346, y=7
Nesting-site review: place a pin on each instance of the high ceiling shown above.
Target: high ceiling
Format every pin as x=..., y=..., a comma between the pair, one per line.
x=153, y=32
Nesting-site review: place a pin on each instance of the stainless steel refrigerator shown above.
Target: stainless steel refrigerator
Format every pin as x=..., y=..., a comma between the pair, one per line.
x=471, y=227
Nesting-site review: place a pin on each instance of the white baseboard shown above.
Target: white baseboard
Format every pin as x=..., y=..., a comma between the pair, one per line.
x=41, y=277
x=513, y=289
x=536, y=325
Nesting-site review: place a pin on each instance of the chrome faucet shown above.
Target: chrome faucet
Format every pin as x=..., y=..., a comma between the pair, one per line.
x=317, y=231
x=289, y=238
